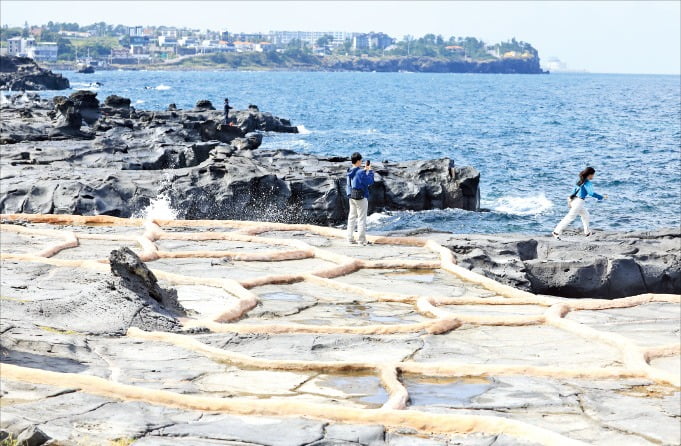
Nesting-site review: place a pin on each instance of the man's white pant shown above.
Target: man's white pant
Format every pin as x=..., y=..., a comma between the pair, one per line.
x=358, y=210
x=576, y=208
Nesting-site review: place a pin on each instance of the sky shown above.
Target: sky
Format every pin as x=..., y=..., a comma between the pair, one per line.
x=599, y=37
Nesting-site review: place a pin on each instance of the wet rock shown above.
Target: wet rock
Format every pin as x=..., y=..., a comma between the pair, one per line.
x=22, y=73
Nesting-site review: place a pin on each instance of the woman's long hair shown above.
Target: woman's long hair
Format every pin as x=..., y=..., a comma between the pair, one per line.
x=584, y=174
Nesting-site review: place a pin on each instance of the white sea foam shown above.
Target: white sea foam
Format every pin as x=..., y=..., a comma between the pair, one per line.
x=528, y=205
x=163, y=87
x=302, y=130
x=376, y=219
x=139, y=101
x=159, y=208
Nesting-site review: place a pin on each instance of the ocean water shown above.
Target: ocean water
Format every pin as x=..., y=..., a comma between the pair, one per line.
x=528, y=135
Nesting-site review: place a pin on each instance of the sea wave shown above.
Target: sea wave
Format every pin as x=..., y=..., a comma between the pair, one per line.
x=526, y=205
x=302, y=130
x=159, y=208
x=162, y=87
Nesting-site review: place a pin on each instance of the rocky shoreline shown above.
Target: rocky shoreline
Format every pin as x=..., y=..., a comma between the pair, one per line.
x=23, y=73
x=74, y=155
x=242, y=62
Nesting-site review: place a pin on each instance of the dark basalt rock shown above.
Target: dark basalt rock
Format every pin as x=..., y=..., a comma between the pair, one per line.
x=609, y=265
x=211, y=169
x=203, y=105
x=87, y=104
x=116, y=101
x=136, y=276
x=22, y=73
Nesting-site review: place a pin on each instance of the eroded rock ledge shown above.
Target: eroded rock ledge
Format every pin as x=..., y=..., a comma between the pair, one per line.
x=22, y=73
x=76, y=156
x=611, y=265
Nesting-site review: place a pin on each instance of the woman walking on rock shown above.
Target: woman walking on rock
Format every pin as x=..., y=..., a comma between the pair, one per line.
x=583, y=189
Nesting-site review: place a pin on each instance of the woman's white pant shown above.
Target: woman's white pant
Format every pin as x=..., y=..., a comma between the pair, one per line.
x=358, y=217
x=576, y=208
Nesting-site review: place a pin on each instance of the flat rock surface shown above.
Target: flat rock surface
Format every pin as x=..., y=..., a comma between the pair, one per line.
x=605, y=265
x=288, y=337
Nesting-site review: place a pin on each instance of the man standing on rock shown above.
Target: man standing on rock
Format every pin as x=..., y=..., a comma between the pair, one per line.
x=227, y=108
x=359, y=180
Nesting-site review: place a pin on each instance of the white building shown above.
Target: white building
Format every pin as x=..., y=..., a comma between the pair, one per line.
x=27, y=47
x=18, y=46
x=44, y=51
x=168, y=32
x=136, y=31
x=282, y=38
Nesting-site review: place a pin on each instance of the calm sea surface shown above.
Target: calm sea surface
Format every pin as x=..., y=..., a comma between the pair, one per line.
x=528, y=135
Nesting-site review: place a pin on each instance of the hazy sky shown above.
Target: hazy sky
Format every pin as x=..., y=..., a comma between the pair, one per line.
x=605, y=37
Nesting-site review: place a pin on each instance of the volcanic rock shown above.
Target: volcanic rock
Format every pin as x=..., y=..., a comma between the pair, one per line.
x=22, y=73
x=609, y=265
x=203, y=105
x=116, y=101
x=210, y=169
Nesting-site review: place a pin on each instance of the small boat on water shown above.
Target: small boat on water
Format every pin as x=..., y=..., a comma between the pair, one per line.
x=85, y=68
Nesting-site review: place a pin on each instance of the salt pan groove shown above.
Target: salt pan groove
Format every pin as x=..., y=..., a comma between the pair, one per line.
x=635, y=359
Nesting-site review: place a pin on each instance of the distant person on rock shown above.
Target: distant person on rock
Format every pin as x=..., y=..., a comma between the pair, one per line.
x=583, y=189
x=227, y=108
x=358, y=181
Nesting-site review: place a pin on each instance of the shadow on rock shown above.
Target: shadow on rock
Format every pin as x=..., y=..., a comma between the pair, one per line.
x=131, y=297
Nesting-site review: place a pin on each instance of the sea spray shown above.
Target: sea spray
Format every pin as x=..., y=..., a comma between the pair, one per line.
x=527, y=205
x=160, y=207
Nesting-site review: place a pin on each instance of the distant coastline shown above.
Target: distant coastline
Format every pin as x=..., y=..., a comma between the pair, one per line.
x=260, y=62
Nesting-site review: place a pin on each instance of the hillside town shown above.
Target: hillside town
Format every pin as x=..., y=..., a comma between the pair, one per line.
x=101, y=44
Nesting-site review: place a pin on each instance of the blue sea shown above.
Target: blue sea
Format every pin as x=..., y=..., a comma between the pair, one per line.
x=528, y=135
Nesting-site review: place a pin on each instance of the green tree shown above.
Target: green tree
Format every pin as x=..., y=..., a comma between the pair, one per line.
x=325, y=40
x=8, y=33
x=65, y=50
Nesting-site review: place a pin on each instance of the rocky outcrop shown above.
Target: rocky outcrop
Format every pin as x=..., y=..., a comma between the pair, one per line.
x=611, y=265
x=433, y=65
x=116, y=101
x=136, y=277
x=22, y=73
x=129, y=297
x=208, y=169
